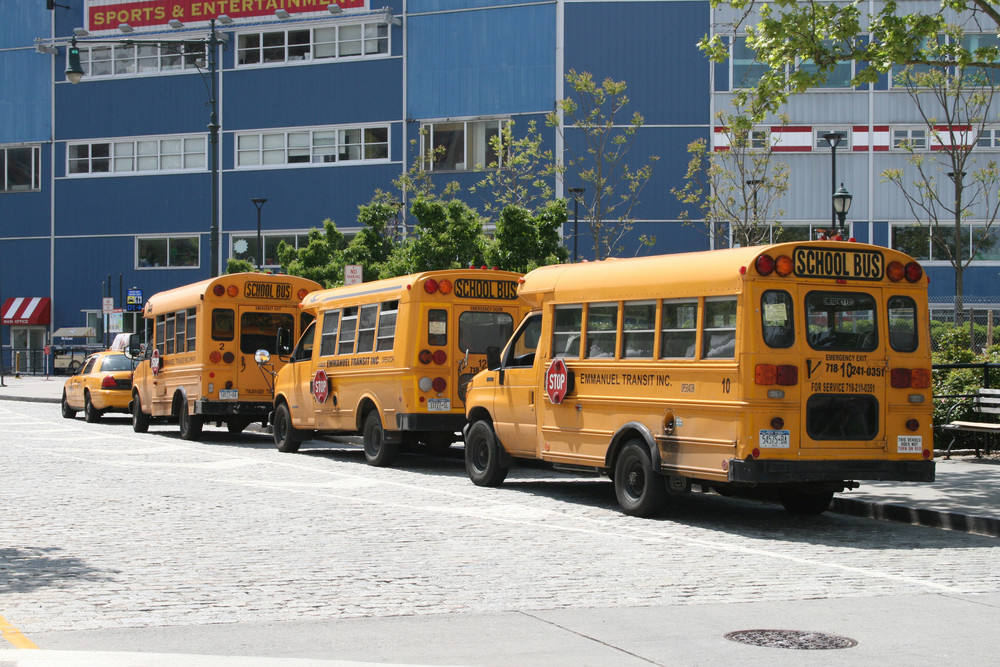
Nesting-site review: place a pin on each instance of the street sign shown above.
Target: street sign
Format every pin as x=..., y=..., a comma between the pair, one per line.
x=107, y=305
x=353, y=274
x=133, y=301
x=557, y=381
x=320, y=386
x=115, y=323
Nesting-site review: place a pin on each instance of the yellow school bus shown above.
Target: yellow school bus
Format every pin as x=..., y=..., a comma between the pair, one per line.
x=793, y=369
x=198, y=364
x=390, y=359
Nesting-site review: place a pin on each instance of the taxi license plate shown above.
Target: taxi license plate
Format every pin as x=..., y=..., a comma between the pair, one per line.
x=229, y=394
x=775, y=439
x=439, y=404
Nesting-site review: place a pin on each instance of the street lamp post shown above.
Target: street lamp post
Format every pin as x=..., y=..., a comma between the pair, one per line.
x=576, y=192
x=259, y=203
x=833, y=139
x=74, y=72
x=841, y=205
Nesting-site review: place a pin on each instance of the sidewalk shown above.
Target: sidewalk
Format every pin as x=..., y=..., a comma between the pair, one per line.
x=964, y=497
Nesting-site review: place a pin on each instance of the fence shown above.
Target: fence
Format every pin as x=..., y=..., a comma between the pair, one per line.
x=982, y=319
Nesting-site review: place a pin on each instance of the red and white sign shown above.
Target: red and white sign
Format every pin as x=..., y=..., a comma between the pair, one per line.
x=109, y=14
x=353, y=274
x=556, y=381
x=26, y=310
x=320, y=386
x=154, y=362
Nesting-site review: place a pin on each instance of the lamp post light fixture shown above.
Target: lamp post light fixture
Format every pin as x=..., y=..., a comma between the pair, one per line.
x=833, y=139
x=577, y=193
x=259, y=203
x=841, y=205
x=74, y=72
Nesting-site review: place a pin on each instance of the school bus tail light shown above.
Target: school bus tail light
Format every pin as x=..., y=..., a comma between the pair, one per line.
x=232, y=290
x=444, y=286
x=766, y=265
x=912, y=272
x=218, y=290
x=425, y=356
x=215, y=357
x=303, y=292
x=430, y=286
x=439, y=384
x=440, y=357
x=785, y=375
x=228, y=357
x=905, y=378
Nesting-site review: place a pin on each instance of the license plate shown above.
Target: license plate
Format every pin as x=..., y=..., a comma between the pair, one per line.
x=774, y=439
x=229, y=394
x=439, y=404
x=909, y=444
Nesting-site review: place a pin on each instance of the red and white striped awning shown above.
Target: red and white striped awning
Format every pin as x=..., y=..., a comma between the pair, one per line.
x=24, y=310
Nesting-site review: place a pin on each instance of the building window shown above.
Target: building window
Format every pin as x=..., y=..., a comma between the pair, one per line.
x=918, y=241
x=363, y=40
x=907, y=139
x=154, y=252
x=820, y=143
x=244, y=246
x=839, y=77
x=21, y=169
x=990, y=138
x=135, y=59
x=177, y=153
x=746, y=69
x=314, y=146
x=462, y=145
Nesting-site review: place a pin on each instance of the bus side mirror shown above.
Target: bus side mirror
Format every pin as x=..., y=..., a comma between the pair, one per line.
x=492, y=357
x=284, y=342
x=134, y=346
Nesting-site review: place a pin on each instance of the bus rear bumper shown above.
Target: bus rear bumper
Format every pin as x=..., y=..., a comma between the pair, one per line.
x=762, y=471
x=228, y=408
x=448, y=423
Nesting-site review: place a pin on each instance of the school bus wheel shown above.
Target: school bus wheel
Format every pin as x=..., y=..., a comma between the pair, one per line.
x=378, y=451
x=286, y=437
x=798, y=500
x=140, y=420
x=640, y=489
x=484, y=459
x=190, y=425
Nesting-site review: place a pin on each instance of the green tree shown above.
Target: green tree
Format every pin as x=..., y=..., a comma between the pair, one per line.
x=596, y=143
x=322, y=259
x=448, y=235
x=380, y=235
x=524, y=241
x=521, y=175
x=239, y=266
x=735, y=191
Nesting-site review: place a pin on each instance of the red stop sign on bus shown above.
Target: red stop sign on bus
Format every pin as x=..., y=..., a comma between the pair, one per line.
x=320, y=386
x=556, y=381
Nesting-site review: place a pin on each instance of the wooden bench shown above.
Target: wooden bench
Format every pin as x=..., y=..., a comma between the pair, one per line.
x=986, y=404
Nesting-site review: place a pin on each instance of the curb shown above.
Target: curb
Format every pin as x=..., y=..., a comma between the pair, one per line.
x=29, y=399
x=978, y=525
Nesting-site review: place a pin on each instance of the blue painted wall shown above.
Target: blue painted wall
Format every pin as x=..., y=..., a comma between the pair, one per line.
x=25, y=100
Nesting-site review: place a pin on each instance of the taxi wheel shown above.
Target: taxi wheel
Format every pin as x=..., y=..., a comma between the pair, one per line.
x=90, y=413
x=798, y=501
x=639, y=488
x=190, y=424
x=483, y=457
x=378, y=452
x=140, y=420
x=286, y=437
x=67, y=412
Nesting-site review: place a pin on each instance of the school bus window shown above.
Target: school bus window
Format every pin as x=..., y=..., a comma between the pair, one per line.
x=678, y=329
x=328, y=339
x=437, y=327
x=366, y=327
x=842, y=417
x=348, y=330
x=638, y=329
x=181, y=319
x=523, y=346
x=777, y=321
x=223, y=324
x=387, y=325
x=902, y=323
x=477, y=331
x=160, y=327
x=566, y=331
x=168, y=336
x=841, y=321
x=602, y=329
x=304, y=348
x=259, y=331
x=719, y=336
x=191, y=330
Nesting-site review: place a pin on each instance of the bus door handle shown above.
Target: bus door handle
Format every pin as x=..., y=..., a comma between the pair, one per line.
x=531, y=397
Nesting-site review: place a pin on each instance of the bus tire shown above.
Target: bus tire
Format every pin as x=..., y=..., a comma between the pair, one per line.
x=640, y=489
x=91, y=414
x=140, y=420
x=190, y=425
x=798, y=501
x=67, y=412
x=287, y=438
x=237, y=424
x=378, y=452
x=483, y=458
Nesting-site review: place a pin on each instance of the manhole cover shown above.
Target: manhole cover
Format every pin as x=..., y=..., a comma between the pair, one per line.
x=791, y=639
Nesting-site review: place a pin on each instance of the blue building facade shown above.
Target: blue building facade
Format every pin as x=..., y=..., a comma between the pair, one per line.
x=108, y=182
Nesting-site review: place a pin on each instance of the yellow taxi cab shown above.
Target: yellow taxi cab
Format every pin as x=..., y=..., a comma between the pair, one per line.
x=104, y=384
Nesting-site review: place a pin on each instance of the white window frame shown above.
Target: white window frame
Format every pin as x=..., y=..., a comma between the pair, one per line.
x=312, y=146
x=35, y=167
x=373, y=40
x=135, y=60
x=909, y=131
x=820, y=143
x=167, y=238
x=475, y=154
x=301, y=240
x=930, y=258
x=125, y=155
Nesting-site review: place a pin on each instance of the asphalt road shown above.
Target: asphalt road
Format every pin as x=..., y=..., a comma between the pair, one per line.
x=115, y=542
